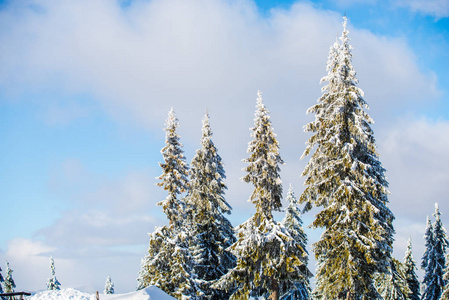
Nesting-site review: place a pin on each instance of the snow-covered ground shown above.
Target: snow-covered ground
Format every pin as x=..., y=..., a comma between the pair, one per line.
x=150, y=293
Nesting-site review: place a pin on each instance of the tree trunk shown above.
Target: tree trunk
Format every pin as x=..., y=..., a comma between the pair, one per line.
x=274, y=289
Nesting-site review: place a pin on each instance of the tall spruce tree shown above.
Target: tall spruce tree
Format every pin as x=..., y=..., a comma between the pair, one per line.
x=435, y=260
x=53, y=283
x=269, y=260
x=345, y=177
x=211, y=232
x=428, y=238
x=174, y=172
x=393, y=285
x=168, y=263
x=293, y=223
x=410, y=274
x=9, y=283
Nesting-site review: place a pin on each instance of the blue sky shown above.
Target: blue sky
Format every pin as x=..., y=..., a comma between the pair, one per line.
x=85, y=87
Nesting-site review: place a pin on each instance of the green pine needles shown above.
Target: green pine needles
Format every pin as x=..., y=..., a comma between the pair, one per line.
x=210, y=232
x=168, y=263
x=346, y=179
x=174, y=172
x=293, y=223
x=393, y=285
x=269, y=259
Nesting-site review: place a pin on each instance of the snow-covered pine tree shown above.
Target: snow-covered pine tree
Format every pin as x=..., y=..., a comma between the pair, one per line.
x=53, y=283
x=168, y=265
x=174, y=172
x=1, y=283
x=436, y=260
x=345, y=177
x=9, y=283
x=428, y=238
x=144, y=277
x=108, y=286
x=293, y=223
x=410, y=274
x=269, y=260
x=445, y=294
x=292, y=220
x=393, y=285
x=211, y=232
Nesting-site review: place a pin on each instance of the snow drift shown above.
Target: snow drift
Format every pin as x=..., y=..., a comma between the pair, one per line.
x=149, y=293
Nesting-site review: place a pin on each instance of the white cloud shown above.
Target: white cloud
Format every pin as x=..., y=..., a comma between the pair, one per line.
x=77, y=230
x=103, y=233
x=23, y=248
x=29, y=260
x=436, y=8
x=103, y=212
x=415, y=154
x=193, y=55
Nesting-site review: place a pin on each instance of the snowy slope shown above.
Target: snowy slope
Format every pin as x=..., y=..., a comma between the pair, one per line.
x=62, y=294
x=150, y=293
